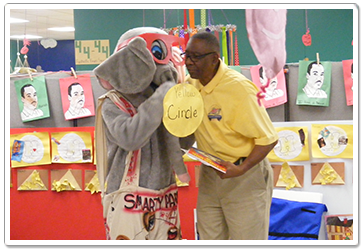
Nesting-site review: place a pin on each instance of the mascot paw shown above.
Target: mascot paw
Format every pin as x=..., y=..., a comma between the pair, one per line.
x=184, y=177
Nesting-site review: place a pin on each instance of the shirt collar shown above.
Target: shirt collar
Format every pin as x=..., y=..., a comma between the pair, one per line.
x=216, y=79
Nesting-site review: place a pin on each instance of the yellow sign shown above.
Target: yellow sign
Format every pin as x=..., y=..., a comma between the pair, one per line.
x=183, y=110
x=91, y=51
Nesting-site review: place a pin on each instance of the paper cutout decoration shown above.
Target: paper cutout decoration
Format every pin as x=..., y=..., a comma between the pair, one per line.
x=92, y=183
x=328, y=173
x=275, y=93
x=183, y=110
x=32, y=98
x=314, y=83
x=339, y=227
x=306, y=38
x=332, y=141
x=32, y=180
x=17, y=151
x=288, y=176
x=292, y=145
x=77, y=97
x=70, y=147
x=66, y=180
x=348, y=81
x=31, y=148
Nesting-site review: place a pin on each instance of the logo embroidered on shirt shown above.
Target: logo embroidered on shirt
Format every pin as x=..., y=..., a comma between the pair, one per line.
x=214, y=114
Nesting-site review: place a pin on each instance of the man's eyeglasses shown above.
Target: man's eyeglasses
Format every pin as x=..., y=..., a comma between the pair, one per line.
x=160, y=46
x=194, y=58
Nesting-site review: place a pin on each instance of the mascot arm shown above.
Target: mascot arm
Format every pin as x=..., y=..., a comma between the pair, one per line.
x=131, y=133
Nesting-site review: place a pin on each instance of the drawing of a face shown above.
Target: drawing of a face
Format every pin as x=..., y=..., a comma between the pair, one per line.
x=29, y=97
x=315, y=78
x=76, y=95
x=272, y=84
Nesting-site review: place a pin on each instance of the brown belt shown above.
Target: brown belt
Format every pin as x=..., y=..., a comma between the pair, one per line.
x=240, y=160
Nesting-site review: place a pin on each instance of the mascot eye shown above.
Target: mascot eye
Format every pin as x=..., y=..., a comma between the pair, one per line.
x=158, y=50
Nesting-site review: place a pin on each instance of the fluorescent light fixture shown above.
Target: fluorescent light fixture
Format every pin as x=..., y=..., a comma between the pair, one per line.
x=62, y=29
x=18, y=20
x=25, y=36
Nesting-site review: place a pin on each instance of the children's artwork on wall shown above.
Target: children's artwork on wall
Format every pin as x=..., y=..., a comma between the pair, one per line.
x=292, y=145
x=287, y=176
x=276, y=93
x=32, y=98
x=332, y=173
x=29, y=149
x=348, y=80
x=339, y=227
x=66, y=180
x=332, y=141
x=91, y=181
x=32, y=179
x=314, y=83
x=71, y=147
x=77, y=97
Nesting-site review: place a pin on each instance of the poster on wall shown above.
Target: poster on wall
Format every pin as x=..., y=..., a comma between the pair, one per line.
x=71, y=147
x=32, y=98
x=332, y=140
x=29, y=149
x=276, y=93
x=77, y=97
x=348, y=80
x=314, y=83
x=66, y=180
x=292, y=145
x=32, y=179
x=328, y=173
x=91, y=51
x=339, y=226
x=288, y=176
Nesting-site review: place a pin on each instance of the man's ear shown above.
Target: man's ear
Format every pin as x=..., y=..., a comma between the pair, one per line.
x=129, y=70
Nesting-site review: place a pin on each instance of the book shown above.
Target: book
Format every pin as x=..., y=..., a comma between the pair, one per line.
x=205, y=158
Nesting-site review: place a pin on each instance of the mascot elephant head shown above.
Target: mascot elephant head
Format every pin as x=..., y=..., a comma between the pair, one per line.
x=143, y=56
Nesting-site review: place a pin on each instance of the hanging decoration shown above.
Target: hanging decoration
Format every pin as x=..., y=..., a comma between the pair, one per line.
x=306, y=38
x=203, y=18
x=267, y=37
x=237, y=62
x=227, y=32
x=25, y=49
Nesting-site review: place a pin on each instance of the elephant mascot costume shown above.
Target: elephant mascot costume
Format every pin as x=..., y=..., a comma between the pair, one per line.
x=137, y=158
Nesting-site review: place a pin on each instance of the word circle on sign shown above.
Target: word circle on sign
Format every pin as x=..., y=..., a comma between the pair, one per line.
x=183, y=110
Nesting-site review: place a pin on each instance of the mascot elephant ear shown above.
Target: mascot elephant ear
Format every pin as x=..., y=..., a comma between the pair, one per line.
x=129, y=70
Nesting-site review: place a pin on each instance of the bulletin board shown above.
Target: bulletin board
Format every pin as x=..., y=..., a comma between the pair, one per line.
x=47, y=215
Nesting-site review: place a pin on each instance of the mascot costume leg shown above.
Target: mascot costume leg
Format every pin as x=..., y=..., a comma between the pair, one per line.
x=137, y=158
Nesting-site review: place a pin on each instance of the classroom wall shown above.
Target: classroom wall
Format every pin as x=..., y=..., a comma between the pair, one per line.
x=331, y=31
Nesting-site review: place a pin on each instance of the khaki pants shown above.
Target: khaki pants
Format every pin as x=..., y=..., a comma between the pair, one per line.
x=235, y=208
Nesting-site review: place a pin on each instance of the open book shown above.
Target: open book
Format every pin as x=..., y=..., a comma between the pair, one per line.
x=205, y=158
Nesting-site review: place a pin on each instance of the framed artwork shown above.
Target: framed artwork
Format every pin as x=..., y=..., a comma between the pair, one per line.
x=314, y=83
x=32, y=98
x=77, y=97
x=275, y=92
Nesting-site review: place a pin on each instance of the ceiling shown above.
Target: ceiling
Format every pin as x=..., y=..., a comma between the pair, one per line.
x=42, y=19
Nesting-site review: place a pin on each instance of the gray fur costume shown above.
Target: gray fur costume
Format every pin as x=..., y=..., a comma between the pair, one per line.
x=133, y=72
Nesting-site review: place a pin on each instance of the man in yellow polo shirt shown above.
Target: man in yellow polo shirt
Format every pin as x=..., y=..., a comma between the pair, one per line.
x=234, y=205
